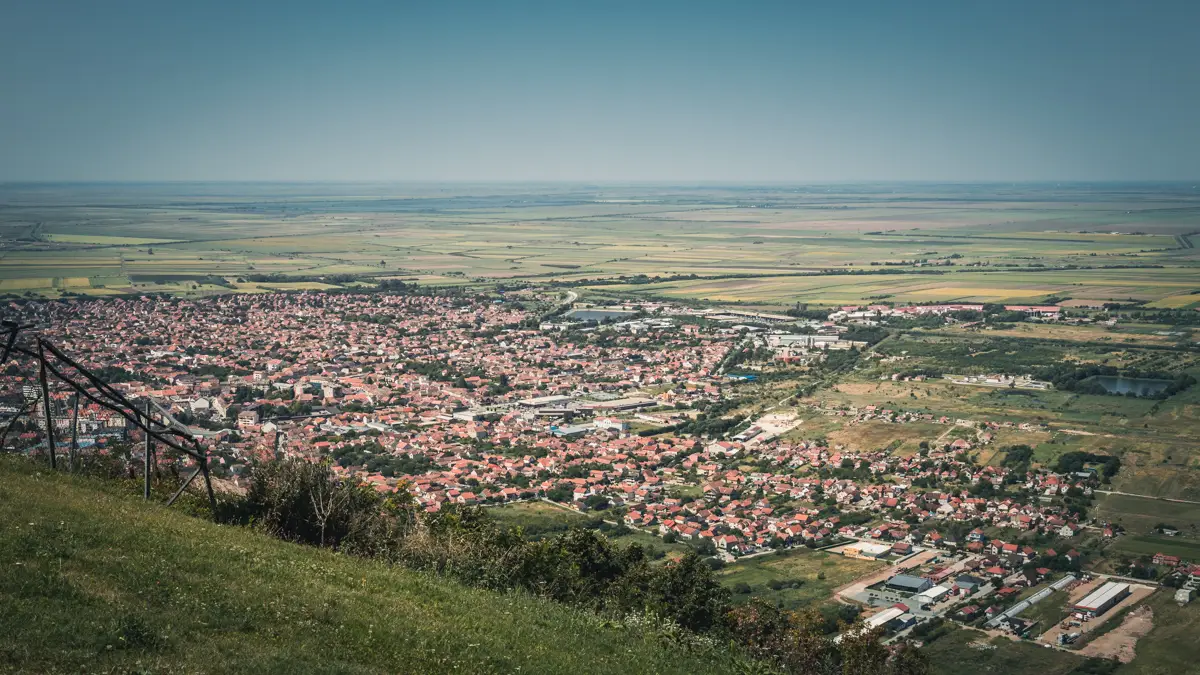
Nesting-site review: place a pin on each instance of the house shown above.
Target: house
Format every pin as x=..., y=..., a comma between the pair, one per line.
x=1015, y=625
x=727, y=542
x=968, y=583
x=1164, y=559
x=247, y=418
x=1070, y=530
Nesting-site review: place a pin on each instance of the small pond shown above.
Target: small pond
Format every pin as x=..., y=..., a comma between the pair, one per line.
x=1115, y=384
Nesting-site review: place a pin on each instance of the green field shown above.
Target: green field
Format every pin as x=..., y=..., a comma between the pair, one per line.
x=1170, y=647
x=1139, y=515
x=651, y=542
x=99, y=582
x=817, y=572
x=536, y=516
x=767, y=246
x=969, y=651
x=1147, y=545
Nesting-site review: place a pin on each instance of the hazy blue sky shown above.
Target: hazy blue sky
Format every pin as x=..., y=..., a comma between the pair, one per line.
x=599, y=91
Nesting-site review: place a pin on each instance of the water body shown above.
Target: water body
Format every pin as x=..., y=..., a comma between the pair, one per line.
x=1123, y=385
x=599, y=314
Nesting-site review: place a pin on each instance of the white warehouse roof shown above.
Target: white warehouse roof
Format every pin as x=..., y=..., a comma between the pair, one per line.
x=883, y=617
x=1102, y=596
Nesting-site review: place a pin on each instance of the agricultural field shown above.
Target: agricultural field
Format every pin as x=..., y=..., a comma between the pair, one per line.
x=1139, y=515
x=1155, y=438
x=762, y=246
x=1145, y=545
x=958, y=285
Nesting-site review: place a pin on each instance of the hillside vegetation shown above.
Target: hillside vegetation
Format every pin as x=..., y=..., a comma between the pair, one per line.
x=97, y=581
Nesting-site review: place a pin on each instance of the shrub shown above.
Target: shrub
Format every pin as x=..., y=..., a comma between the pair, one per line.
x=305, y=502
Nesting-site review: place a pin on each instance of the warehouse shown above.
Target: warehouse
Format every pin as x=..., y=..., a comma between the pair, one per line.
x=906, y=583
x=619, y=404
x=931, y=596
x=892, y=618
x=866, y=550
x=1103, y=599
x=543, y=401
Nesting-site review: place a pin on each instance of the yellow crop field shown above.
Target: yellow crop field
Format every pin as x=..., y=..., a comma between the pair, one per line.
x=24, y=284
x=1176, y=302
x=963, y=291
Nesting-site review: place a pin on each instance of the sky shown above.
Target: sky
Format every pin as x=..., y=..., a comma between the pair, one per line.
x=600, y=91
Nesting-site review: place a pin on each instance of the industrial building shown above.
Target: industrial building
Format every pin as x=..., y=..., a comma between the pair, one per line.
x=866, y=550
x=931, y=596
x=892, y=618
x=906, y=583
x=543, y=401
x=968, y=583
x=630, y=403
x=1103, y=599
x=571, y=431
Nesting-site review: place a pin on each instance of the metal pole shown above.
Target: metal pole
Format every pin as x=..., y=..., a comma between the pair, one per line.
x=186, y=482
x=46, y=406
x=74, y=433
x=149, y=449
x=122, y=408
x=212, y=500
x=28, y=408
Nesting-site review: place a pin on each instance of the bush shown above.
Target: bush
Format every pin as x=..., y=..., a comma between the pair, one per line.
x=305, y=502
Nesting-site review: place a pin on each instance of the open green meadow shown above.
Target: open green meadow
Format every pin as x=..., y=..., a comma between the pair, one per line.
x=537, y=518
x=964, y=650
x=1171, y=646
x=1140, y=515
x=794, y=578
x=99, y=582
x=1147, y=545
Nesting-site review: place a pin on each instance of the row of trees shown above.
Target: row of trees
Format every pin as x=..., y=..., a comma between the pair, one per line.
x=305, y=502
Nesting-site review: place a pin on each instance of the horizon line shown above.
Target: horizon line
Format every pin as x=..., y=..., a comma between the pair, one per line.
x=615, y=182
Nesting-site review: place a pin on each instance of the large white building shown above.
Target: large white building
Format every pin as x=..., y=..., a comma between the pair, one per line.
x=1103, y=599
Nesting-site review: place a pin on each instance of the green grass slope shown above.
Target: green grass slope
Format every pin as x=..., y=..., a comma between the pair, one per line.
x=101, y=582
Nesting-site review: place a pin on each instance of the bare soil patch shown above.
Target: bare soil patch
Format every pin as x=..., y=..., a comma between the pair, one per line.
x=1119, y=643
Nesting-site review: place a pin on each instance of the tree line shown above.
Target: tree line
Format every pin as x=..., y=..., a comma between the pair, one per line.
x=306, y=502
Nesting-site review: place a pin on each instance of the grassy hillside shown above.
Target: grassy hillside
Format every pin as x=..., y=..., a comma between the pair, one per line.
x=96, y=581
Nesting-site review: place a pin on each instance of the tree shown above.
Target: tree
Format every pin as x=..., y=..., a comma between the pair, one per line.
x=687, y=592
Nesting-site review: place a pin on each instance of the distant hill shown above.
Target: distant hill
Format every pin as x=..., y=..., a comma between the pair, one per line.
x=98, y=581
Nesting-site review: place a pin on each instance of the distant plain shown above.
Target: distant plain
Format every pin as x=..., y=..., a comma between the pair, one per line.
x=769, y=246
